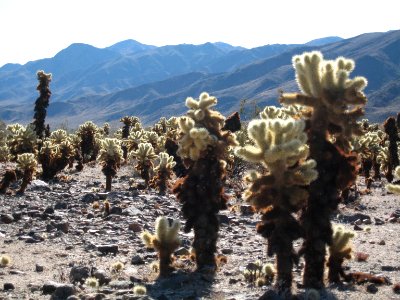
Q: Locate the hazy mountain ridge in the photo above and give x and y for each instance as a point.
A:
(167, 75)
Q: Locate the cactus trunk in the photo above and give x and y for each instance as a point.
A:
(165, 262)
(205, 240)
(108, 183)
(284, 259)
(25, 181)
(335, 269)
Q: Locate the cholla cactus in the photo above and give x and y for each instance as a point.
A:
(89, 145)
(134, 139)
(367, 146)
(259, 274)
(383, 158)
(339, 250)
(58, 136)
(26, 162)
(76, 143)
(22, 139)
(280, 145)
(41, 103)
(128, 123)
(54, 157)
(164, 172)
(110, 157)
(391, 131)
(165, 241)
(144, 156)
(152, 138)
(395, 188)
(106, 129)
(335, 102)
(204, 146)
(5, 154)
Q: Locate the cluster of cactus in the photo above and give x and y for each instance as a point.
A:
(259, 274)
(163, 172)
(110, 157)
(89, 145)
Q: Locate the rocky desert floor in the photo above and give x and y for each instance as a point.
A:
(57, 235)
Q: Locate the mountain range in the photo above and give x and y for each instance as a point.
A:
(130, 78)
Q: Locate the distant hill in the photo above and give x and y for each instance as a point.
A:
(154, 81)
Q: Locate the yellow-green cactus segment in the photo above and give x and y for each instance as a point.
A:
(144, 153)
(110, 150)
(4, 153)
(58, 136)
(166, 162)
(87, 127)
(395, 188)
(13, 128)
(166, 234)
(341, 243)
(151, 137)
(195, 139)
(199, 109)
(26, 161)
(367, 145)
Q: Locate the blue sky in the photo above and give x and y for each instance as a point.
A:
(37, 29)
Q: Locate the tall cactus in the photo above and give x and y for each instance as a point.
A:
(279, 145)
(335, 102)
(203, 145)
(41, 103)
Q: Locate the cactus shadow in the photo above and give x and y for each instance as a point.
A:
(182, 285)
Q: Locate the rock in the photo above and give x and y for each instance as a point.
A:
(382, 242)
(270, 295)
(49, 287)
(371, 288)
(39, 185)
(116, 210)
(182, 251)
(357, 228)
(227, 251)
(389, 268)
(90, 198)
(121, 284)
(49, 210)
(8, 286)
(105, 249)
(246, 209)
(39, 268)
(79, 274)
(63, 291)
(223, 219)
(17, 215)
(352, 218)
(135, 227)
(102, 276)
(63, 226)
(379, 221)
(6, 218)
(137, 260)
(61, 205)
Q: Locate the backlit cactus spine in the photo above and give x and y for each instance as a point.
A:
(204, 147)
(280, 146)
(335, 102)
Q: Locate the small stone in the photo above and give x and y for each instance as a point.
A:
(367, 221)
(63, 226)
(246, 209)
(137, 260)
(79, 274)
(49, 210)
(49, 287)
(63, 292)
(392, 220)
(223, 219)
(357, 228)
(39, 268)
(105, 249)
(227, 251)
(382, 242)
(61, 205)
(116, 210)
(358, 222)
(89, 198)
(8, 286)
(6, 218)
(102, 276)
(121, 284)
(379, 221)
(182, 251)
(135, 227)
(388, 268)
(371, 288)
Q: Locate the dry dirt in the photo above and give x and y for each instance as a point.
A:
(70, 236)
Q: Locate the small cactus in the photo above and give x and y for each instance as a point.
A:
(164, 172)
(5, 261)
(27, 164)
(144, 157)
(395, 188)
(110, 157)
(339, 250)
(165, 241)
